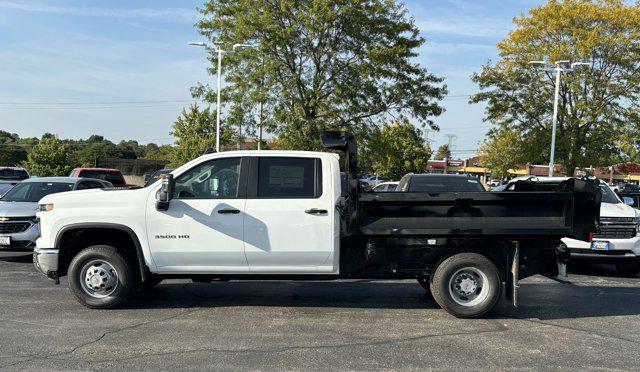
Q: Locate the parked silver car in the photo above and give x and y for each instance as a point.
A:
(18, 225)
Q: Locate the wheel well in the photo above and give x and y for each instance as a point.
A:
(75, 240)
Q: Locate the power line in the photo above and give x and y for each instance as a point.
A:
(86, 108)
(98, 103)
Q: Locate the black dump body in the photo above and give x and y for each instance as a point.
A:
(529, 211)
(572, 210)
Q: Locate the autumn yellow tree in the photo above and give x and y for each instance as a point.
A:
(597, 103)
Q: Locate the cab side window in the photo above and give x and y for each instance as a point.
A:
(280, 178)
(215, 179)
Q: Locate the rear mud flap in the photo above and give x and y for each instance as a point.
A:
(511, 282)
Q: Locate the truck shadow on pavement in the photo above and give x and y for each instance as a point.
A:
(538, 300)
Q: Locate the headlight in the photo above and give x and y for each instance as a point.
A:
(45, 207)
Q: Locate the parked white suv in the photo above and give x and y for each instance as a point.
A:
(617, 240)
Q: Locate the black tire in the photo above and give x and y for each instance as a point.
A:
(124, 280)
(424, 283)
(628, 269)
(480, 271)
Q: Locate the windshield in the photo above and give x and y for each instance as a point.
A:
(113, 177)
(608, 196)
(444, 184)
(4, 187)
(13, 174)
(32, 192)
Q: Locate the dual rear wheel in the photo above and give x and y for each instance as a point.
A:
(466, 285)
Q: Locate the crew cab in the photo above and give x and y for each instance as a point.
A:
(285, 215)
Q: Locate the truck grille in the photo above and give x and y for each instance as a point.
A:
(13, 227)
(616, 228)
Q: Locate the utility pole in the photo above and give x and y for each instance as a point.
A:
(558, 69)
(451, 137)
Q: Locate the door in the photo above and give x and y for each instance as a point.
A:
(289, 218)
(202, 230)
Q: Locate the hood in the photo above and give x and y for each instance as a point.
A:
(16, 209)
(616, 210)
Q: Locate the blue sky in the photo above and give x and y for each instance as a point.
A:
(76, 53)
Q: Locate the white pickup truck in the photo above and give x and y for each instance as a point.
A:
(616, 240)
(288, 215)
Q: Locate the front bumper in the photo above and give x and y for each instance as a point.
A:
(46, 261)
(619, 250)
(24, 241)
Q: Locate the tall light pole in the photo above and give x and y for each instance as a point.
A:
(219, 51)
(558, 69)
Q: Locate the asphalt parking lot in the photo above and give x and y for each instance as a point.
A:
(593, 323)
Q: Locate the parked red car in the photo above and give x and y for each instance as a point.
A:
(111, 175)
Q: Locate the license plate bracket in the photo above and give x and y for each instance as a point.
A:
(600, 246)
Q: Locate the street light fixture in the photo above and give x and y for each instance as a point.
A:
(558, 69)
(219, 51)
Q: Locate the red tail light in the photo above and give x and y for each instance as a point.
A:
(590, 237)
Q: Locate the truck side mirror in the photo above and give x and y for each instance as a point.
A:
(628, 201)
(165, 194)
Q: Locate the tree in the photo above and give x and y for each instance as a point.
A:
(50, 157)
(501, 152)
(395, 150)
(12, 150)
(195, 131)
(323, 64)
(443, 152)
(161, 153)
(87, 152)
(597, 103)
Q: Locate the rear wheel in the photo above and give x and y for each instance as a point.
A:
(100, 277)
(628, 269)
(466, 285)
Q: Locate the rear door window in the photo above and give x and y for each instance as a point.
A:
(285, 177)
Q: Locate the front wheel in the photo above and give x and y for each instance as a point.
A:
(466, 285)
(100, 277)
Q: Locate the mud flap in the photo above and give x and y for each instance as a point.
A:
(511, 282)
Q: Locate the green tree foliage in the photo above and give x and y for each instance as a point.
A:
(50, 157)
(161, 153)
(501, 152)
(395, 150)
(597, 104)
(443, 152)
(323, 64)
(195, 132)
(87, 152)
(12, 149)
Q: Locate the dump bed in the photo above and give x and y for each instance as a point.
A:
(572, 210)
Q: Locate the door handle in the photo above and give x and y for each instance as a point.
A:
(315, 211)
(228, 211)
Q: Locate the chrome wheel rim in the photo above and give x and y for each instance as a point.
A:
(469, 286)
(98, 279)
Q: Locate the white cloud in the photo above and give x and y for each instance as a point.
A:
(171, 14)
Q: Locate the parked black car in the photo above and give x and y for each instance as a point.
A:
(436, 183)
